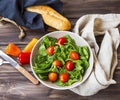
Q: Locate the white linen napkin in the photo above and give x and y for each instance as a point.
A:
(105, 58)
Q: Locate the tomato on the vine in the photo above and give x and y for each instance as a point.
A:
(74, 55)
(50, 50)
(61, 40)
(57, 63)
(53, 76)
(69, 65)
(64, 77)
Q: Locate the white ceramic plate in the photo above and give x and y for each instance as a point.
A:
(80, 42)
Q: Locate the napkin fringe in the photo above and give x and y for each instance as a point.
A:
(105, 61)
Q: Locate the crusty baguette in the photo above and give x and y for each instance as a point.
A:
(51, 17)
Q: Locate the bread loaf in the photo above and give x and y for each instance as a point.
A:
(51, 17)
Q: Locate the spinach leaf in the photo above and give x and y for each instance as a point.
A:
(43, 62)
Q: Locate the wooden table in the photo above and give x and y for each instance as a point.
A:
(14, 86)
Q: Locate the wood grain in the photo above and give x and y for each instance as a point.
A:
(27, 74)
(14, 86)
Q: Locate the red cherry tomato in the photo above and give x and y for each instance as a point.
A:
(24, 58)
(64, 77)
(57, 63)
(69, 65)
(53, 76)
(74, 55)
(50, 50)
(61, 40)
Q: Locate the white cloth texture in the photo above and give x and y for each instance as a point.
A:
(105, 56)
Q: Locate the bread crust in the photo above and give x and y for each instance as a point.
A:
(51, 17)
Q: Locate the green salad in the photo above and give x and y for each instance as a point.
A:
(61, 61)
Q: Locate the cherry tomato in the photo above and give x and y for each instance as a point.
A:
(74, 55)
(24, 58)
(50, 50)
(64, 77)
(53, 76)
(69, 65)
(57, 63)
(61, 40)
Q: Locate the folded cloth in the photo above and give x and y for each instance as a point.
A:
(105, 58)
(15, 10)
